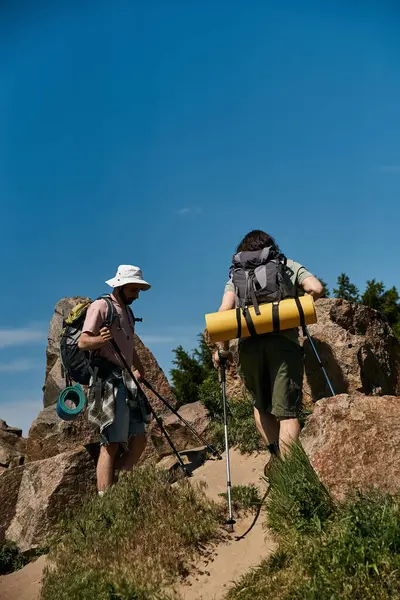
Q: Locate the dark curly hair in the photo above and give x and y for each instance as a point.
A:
(256, 240)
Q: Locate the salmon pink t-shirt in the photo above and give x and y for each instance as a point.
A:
(122, 329)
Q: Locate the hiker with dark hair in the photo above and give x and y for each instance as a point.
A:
(114, 402)
(271, 364)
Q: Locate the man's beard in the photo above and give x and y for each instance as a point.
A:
(127, 300)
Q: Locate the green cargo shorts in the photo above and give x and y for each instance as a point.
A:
(272, 368)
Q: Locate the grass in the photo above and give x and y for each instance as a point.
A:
(245, 498)
(349, 551)
(133, 543)
(242, 431)
(298, 502)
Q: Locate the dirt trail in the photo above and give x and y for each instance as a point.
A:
(232, 558)
(229, 559)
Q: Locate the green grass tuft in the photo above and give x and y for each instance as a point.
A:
(245, 498)
(350, 551)
(298, 501)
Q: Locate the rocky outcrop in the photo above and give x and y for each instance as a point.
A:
(353, 442)
(12, 446)
(46, 488)
(59, 457)
(357, 347)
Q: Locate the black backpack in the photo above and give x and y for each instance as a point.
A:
(76, 362)
(261, 276)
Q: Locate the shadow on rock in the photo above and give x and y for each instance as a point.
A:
(315, 377)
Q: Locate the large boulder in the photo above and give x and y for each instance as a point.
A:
(12, 446)
(46, 488)
(356, 346)
(10, 481)
(353, 442)
(49, 435)
(55, 380)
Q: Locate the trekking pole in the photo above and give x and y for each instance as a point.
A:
(156, 417)
(230, 521)
(213, 450)
(307, 333)
(164, 431)
(319, 360)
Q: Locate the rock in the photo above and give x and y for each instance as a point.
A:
(10, 481)
(12, 446)
(353, 442)
(156, 377)
(356, 345)
(49, 435)
(15, 430)
(55, 380)
(47, 487)
(358, 350)
(195, 414)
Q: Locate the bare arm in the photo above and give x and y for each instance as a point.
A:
(311, 285)
(228, 303)
(90, 341)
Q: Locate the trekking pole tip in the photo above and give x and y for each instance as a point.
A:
(217, 453)
(230, 525)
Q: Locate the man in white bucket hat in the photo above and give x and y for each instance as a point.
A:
(113, 399)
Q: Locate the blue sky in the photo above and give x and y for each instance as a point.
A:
(159, 133)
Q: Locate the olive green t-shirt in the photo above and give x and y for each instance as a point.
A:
(298, 274)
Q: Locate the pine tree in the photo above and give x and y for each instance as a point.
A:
(391, 305)
(373, 295)
(186, 377)
(387, 302)
(326, 292)
(346, 289)
(203, 356)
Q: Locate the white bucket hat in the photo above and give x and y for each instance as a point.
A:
(128, 274)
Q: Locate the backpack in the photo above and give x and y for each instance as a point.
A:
(76, 363)
(261, 276)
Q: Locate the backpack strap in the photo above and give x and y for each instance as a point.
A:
(111, 312)
(252, 284)
(239, 322)
(275, 317)
(249, 322)
(301, 314)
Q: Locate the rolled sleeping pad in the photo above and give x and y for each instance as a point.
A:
(72, 394)
(224, 326)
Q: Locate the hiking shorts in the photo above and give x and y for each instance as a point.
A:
(272, 368)
(127, 423)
